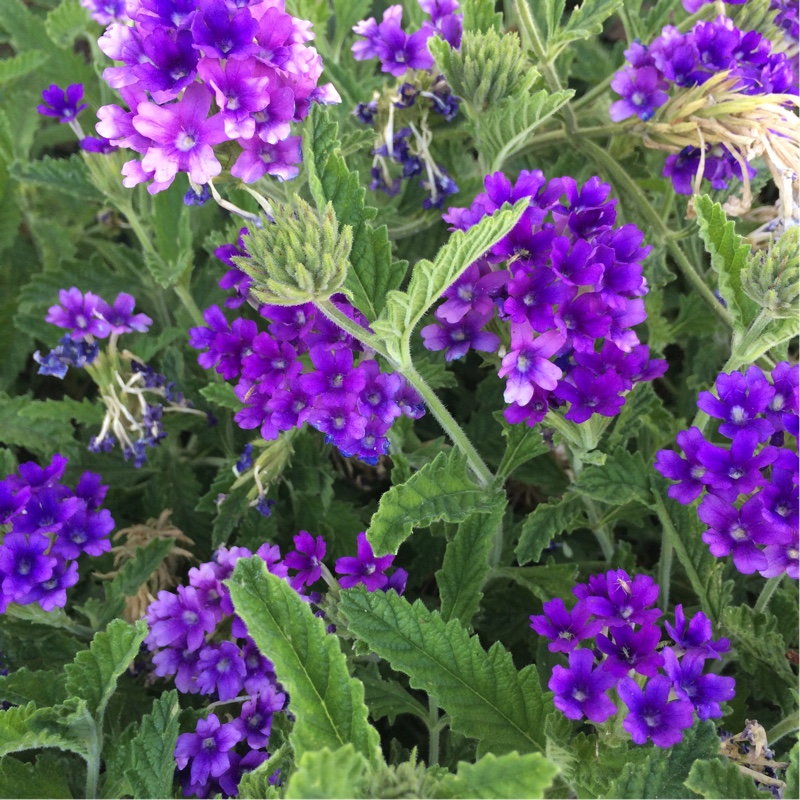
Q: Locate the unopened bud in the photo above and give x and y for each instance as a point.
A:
(771, 278)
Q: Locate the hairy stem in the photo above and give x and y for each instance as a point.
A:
(766, 593)
(434, 732)
(786, 726)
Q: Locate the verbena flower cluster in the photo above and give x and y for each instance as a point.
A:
(678, 60)
(402, 115)
(303, 368)
(250, 59)
(44, 527)
(570, 287)
(130, 390)
(751, 487)
(615, 618)
(786, 18)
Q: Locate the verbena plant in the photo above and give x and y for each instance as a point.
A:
(399, 401)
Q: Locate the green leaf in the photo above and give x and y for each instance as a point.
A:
(722, 779)
(65, 22)
(137, 570)
(429, 279)
(466, 564)
(44, 778)
(479, 15)
(13, 68)
(256, 785)
(153, 748)
(93, 674)
(507, 128)
(482, 692)
(45, 438)
(664, 771)
(326, 773)
(43, 687)
(793, 772)
(584, 22)
(545, 582)
(328, 703)
(63, 411)
(522, 445)
(388, 698)
(67, 175)
(440, 490)
(372, 272)
(622, 479)
(222, 394)
(509, 776)
(172, 231)
(729, 254)
(545, 522)
(68, 726)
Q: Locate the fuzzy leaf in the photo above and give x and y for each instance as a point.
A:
(388, 698)
(522, 445)
(138, 569)
(545, 522)
(545, 581)
(585, 21)
(729, 254)
(440, 490)
(722, 779)
(65, 22)
(23, 779)
(152, 750)
(12, 69)
(479, 15)
(43, 687)
(481, 690)
(622, 479)
(222, 394)
(93, 674)
(328, 703)
(466, 565)
(68, 175)
(327, 774)
(256, 785)
(45, 438)
(68, 726)
(63, 411)
(509, 776)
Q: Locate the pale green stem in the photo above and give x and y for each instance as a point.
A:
(93, 763)
(769, 589)
(434, 732)
(786, 726)
(189, 304)
(600, 533)
(664, 570)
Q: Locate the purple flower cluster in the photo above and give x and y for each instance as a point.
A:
(247, 57)
(751, 503)
(104, 12)
(197, 639)
(303, 368)
(682, 60)
(570, 287)
(398, 51)
(44, 527)
(615, 612)
(786, 18)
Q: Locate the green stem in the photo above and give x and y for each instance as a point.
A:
(93, 764)
(595, 518)
(766, 593)
(664, 570)
(434, 732)
(353, 328)
(786, 726)
(189, 304)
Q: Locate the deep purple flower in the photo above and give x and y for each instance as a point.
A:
(105, 12)
(617, 600)
(642, 92)
(169, 66)
(306, 558)
(24, 563)
(689, 472)
(397, 581)
(208, 748)
(335, 375)
(364, 50)
(12, 501)
(97, 144)
(565, 629)
(651, 714)
(629, 649)
(47, 511)
(704, 692)
(180, 620)
(120, 316)
(457, 339)
(52, 593)
(258, 158)
(591, 394)
(742, 399)
(221, 669)
(695, 635)
(65, 104)
(254, 722)
(180, 662)
(473, 291)
(782, 558)
(399, 52)
(532, 296)
(260, 674)
(220, 34)
(581, 690)
(80, 313)
(783, 407)
(85, 532)
(364, 568)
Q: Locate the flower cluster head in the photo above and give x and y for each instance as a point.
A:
(44, 527)
(674, 62)
(569, 286)
(610, 636)
(786, 18)
(197, 639)
(199, 74)
(303, 368)
(749, 488)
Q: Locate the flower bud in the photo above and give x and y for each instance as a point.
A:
(771, 277)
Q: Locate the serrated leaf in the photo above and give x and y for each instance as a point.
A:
(545, 522)
(508, 776)
(23, 779)
(222, 394)
(63, 411)
(545, 582)
(585, 21)
(67, 175)
(466, 564)
(441, 490)
(65, 727)
(172, 231)
(328, 703)
(479, 15)
(134, 572)
(43, 687)
(65, 22)
(329, 774)
(522, 445)
(152, 750)
(388, 698)
(372, 272)
(622, 479)
(638, 405)
(507, 128)
(722, 779)
(481, 690)
(93, 674)
(729, 254)
(13, 68)
(45, 438)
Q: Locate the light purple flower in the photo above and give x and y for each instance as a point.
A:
(527, 365)
(120, 316)
(80, 313)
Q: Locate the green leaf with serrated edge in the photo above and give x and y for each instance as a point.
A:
(638, 405)
(479, 15)
(63, 411)
(328, 703)
(68, 175)
(45, 438)
(481, 690)
(729, 254)
(793, 773)
(43, 687)
(153, 748)
(329, 774)
(45, 777)
(545, 582)
(441, 490)
(664, 771)
(756, 640)
(12, 69)
(508, 776)
(347, 13)
(65, 22)
(387, 698)
(93, 674)
(68, 726)
(133, 573)
(509, 127)
(256, 785)
(545, 522)
(585, 21)
(622, 479)
(222, 394)
(372, 272)
(429, 279)
(466, 564)
(522, 445)
(722, 779)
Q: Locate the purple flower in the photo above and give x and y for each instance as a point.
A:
(565, 628)
(591, 394)
(458, 338)
(105, 12)
(85, 532)
(617, 600)
(258, 158)
(689, 472)
(704, 692)
(306, 558)
(695, 635)
(473, 291)
(12, 501)
(208, 748)
(368, 28)
(65, 104)
(218, 33)
(52, 593)
(642, 92)
(180, 620)
(651, 715)
(82, 314)
(24, 563)
(120, 316)
(629, 649)
(399, 52)
(527, 366)
(532, 296)
(364, 568)
(397, 581)
(95, 144)
(581, 690)
(169, 66)
(783, 407)
(335, 376)
(221, 669)
(255, 719)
